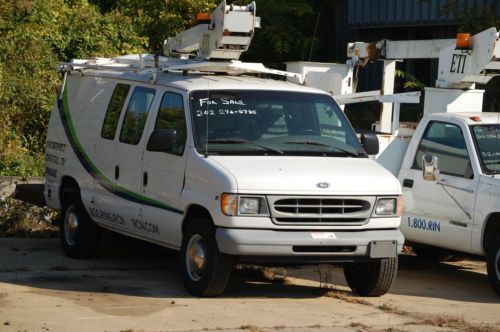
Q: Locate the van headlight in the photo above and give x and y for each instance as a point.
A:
(388, 206)
(243, 205)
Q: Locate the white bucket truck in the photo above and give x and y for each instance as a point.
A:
(449, 164)
(193, 154)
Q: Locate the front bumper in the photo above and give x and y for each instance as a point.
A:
(300, 245)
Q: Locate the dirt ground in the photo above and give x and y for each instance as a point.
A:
(132, 286)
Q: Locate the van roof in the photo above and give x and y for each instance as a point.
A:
(200, 81)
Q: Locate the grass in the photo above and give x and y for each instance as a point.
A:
(251, 328)
(454, 323)
(271, 274)
(345, 296)
(388, 307)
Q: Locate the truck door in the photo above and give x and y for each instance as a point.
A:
(128, 158)
(163, 172)
(440, 212)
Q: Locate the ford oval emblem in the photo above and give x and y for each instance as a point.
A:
(323, 185)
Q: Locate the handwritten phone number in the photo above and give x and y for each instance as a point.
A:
(426, 225)
(200, 113)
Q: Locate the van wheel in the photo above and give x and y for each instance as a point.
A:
(205, 270)
(431, 254)
(371, 278)
(78, 233)
(493, 264)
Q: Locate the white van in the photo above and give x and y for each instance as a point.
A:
(223, 168)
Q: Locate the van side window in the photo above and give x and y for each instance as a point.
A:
(446, 141)
(171, 116)
(136, 115)
(115, 106)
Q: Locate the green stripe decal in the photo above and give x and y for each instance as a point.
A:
(91, 168)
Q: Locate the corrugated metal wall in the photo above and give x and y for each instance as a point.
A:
(386, 13)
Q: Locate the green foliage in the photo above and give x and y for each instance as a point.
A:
(409, 81)
(474, 18)
(158, 19)
(287, 32)
(37, 34)
(24, 164)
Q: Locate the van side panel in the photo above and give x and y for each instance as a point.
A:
(74, 124)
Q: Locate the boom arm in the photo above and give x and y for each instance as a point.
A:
(226, 36)
(458, 68)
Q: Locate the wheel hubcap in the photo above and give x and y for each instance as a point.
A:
(70, 225)
(196, 254)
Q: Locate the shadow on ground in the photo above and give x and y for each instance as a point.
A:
(122, 266)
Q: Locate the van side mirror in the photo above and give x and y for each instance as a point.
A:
(430, 169)
(370, 143)
(161, 140)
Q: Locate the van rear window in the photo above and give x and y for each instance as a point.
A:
(115, 106)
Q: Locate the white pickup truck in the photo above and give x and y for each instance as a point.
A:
(451, 187)
(449, 164)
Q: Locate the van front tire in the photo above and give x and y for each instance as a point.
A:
(371, 278)
(205, 270)
(493, 264)
(78, 233)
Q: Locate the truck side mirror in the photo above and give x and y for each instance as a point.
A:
(430, 169)
(370, 143)
(161, 140)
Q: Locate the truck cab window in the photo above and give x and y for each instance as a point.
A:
(136, 115)
(171, 116)
(115, 106)
(446, 141)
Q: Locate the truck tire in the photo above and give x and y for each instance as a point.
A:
(205, 270)
(371, 278)
(78, 233)
(493, 264)
(431, 254)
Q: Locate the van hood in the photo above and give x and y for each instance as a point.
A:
(309, 175)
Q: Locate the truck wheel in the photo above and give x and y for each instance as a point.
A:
(78, 233)
(371, 278)
(431, 254)
(205, 270)
(493, 264)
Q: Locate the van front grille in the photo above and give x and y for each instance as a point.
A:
(321, 210)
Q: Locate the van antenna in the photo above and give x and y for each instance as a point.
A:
(206, 114)
(314, 37)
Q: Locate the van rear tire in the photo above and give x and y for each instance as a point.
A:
(371, 278)
(78, 233)
(493, 264)
(205, 270)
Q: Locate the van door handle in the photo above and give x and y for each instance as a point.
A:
(117, 172)
(145, 178)
(408, 183)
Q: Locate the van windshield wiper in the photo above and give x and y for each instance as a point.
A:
(350, 153)
(241, 141)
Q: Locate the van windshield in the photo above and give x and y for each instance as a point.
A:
(488, 145)
(256, 122)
